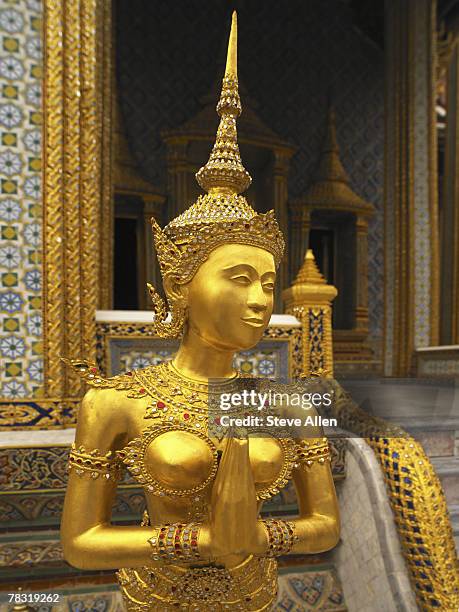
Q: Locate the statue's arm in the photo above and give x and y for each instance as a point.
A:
(89, 540)
(318, 525)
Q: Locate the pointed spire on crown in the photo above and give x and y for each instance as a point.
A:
(224, 173)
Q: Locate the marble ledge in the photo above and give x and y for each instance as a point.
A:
(22, 439)
(429, 349)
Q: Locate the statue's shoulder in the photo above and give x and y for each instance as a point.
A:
(130, 382)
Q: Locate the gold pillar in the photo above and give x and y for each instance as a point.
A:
(72, 186)
(411, 236)
(309, 299)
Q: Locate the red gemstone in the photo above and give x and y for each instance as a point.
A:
(160, 405)
(94, 370)
(142, 390)
(217, 420)
(162, 536)
(128, 373)
(186, 416)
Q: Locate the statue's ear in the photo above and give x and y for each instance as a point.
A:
(175, 291)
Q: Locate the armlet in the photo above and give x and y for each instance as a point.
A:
(85, 462)
(312, 450)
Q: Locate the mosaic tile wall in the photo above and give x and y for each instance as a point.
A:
(291, 55)
(20, 198)
(254, 363)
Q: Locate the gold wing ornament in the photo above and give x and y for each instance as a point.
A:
(91, 375)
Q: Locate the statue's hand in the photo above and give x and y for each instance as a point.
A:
(233, 512)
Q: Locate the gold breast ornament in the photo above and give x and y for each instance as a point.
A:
(180, 404)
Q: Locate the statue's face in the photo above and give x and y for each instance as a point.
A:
(230, 298)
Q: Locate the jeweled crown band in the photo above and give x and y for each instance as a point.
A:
(213, 228)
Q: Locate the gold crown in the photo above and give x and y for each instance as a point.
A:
(222, 215)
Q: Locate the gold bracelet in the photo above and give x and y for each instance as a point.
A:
(281, 536)
(312, 450)
(83, 461)
(176, 542)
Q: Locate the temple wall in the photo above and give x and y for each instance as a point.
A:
(20, 198)
(313, 50)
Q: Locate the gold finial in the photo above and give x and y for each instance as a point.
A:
(224, 173)
(309, 272)
(231, 58)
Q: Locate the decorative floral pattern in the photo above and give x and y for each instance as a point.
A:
(20, 199)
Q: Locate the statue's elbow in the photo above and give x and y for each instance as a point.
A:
(77, 553)
(329, 532)
(334, 532)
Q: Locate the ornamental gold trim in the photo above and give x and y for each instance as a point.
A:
(72, 184)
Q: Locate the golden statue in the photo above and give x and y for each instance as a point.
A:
(202, 544)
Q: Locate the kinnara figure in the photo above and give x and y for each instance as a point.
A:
(202, 544)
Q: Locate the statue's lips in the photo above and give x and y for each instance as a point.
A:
(254, 321)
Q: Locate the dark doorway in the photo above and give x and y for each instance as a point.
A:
(126, 281)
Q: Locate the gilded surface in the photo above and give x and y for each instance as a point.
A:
(154, 420)
(309, 300)
(106, 100)
(53, 248)
(43, 413)
(72, 184)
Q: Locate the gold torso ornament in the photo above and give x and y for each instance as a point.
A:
(249, 586)
(175, 461)
(174, 455)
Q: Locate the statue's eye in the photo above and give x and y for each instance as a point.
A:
(241, 279)
(268, 286)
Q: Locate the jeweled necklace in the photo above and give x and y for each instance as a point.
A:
(179, 399)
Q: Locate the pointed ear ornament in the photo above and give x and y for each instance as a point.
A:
(163, 328)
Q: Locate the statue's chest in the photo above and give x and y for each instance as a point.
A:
(174, 460)
(171, 453)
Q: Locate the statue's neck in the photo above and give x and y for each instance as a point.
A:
(200, 360)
